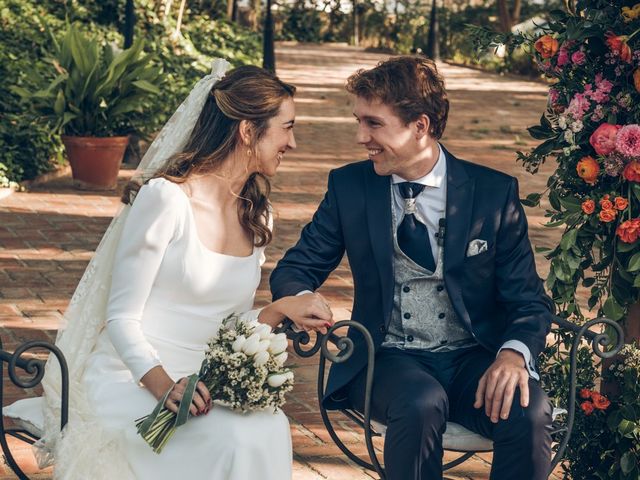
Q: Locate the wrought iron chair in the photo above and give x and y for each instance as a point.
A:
(471, 443)
(34, 368)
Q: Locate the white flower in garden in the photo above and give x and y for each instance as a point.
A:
(238, 343)
(251, 345)
(281, 358)
(577, 126)
(261, 358)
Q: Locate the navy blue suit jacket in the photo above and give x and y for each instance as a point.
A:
(497, 294)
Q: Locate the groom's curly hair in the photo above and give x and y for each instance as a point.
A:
(245, 93)
(410, 85)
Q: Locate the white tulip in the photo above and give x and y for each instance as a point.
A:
(281, 358)
(260, 358)
(277, 380)
(263, 346)
(238, 343)
(251, 345)
(289, 375)
(278, 345)
(263, 330)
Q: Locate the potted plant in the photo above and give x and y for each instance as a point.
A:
(94, 100)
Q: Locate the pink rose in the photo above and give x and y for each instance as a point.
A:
(578, 57)
(628, 141)
(603, 140)
(563, 58)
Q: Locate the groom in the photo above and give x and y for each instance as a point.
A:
(444, 279)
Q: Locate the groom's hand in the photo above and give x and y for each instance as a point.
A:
(497, 386)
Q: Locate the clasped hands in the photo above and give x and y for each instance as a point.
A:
(497, 386)
(309, 312)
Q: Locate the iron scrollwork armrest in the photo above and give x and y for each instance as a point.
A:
(603, 345)
(35, 368)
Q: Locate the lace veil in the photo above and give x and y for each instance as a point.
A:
(85, 319)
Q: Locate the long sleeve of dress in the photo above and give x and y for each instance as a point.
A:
(150, 226)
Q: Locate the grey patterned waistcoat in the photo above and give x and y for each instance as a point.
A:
(422, 317)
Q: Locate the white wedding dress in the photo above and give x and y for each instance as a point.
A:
(169, 294)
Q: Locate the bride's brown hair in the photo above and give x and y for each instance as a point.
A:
(245, 93)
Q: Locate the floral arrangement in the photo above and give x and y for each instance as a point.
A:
(590, 54)
(243, 369)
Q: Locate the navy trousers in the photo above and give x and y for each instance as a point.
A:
(415, 393)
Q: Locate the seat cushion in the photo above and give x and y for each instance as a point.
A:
(27, 415)
(460, 439)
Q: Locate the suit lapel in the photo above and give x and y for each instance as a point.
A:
(460, 189)
(378, 196)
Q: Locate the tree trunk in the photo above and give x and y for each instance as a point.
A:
(268, 48)
(356, 29)
(504, 16)
(230, 5)
(167, 9)
(176, 33)
(433, 45)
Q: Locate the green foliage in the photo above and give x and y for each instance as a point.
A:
(27, 147)
(301, 23)
(605, 443)
(98, 90)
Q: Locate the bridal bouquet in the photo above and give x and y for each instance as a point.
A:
(243, 368)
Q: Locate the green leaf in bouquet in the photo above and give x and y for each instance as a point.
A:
(532, 200)
(569, 239)
(571, 204)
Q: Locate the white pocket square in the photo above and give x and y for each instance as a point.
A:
(476, 247)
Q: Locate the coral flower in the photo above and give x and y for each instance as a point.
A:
(608, 215)
(547, 46)
(636, 79)
(588, 169)
(618, 44)
(587, 407)
(588, 206)
(603, 139)
(629, 231)
(600, 401)
(605, 203)
(632, 171)
(621, 203)
(585, 393)
(628, 140)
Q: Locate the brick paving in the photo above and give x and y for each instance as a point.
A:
(47, 235)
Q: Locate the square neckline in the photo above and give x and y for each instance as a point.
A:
(197, 234)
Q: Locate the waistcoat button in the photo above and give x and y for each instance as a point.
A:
(407, 315)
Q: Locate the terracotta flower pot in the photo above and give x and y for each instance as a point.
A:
(95, 161)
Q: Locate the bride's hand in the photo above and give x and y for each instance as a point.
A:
(309, 311)
(200, 404)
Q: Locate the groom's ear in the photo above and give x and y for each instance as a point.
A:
(246, 132)
(422, 126)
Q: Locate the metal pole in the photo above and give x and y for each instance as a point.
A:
(356, 28)
(433, 46)
(129, 23)
(268, 53)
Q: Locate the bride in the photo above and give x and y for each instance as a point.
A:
(183, 254)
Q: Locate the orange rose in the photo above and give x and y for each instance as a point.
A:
(585, 393)
(608, 215)
(621, 203)
(632, 171)
(600, 401)
(547, 46)
(629, 231)
(618, 44)
(636, 79)
(587, 408)
(588, 169)
(606, 204)
(588, 206)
